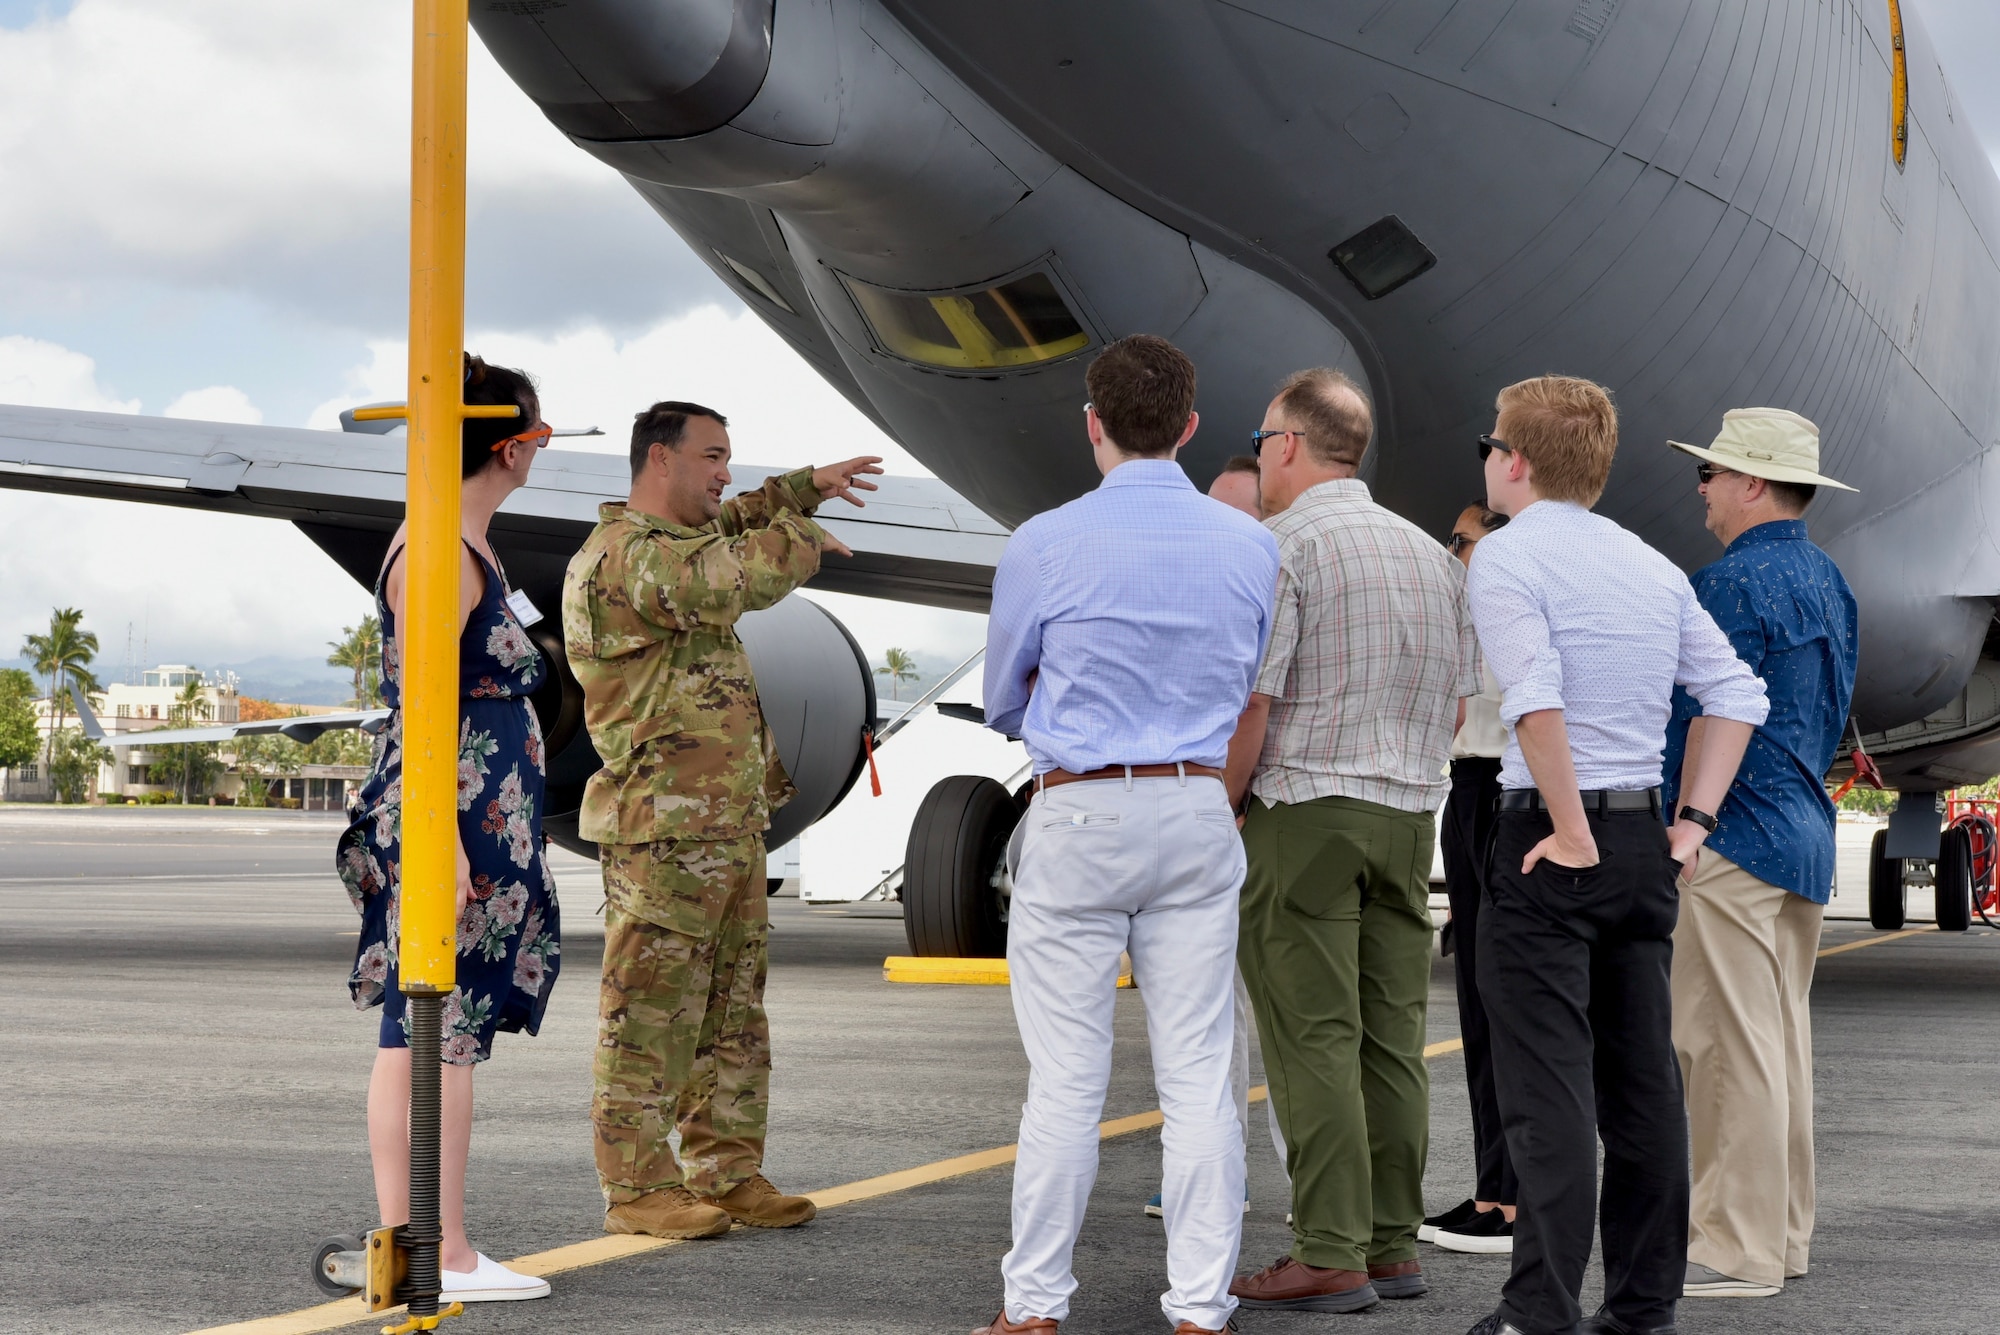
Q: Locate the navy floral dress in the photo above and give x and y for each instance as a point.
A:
(508, 939)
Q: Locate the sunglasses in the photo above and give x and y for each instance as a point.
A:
(1488, 444)
(537, 436)
(1709, 472)
(1257, 439)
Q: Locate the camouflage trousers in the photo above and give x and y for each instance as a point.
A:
(683, 1042)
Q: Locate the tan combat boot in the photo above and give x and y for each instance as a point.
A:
(672, 1212)
(761, 1205)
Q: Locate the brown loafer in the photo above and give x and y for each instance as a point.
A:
(672, 1212)
(761, 1205)
(1001, 1325)
(1399, 1279)
(1292, 1284)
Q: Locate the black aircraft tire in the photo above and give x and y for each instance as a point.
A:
(1953, 879)
(342, 1243)
(1885, 886)
(950, 908)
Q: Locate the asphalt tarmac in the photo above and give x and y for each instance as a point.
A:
(181, 1119)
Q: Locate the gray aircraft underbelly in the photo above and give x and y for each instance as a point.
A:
(1703, 204)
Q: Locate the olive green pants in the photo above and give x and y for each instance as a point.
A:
(1335, 949)
(683, 1041)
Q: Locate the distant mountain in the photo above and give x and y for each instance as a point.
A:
(304, 680)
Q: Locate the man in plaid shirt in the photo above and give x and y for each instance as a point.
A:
(1342, 755)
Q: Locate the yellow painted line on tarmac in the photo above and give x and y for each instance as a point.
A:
(1874, 941)
(597, 1251)
(973, 972)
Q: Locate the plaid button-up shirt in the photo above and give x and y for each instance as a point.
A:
(1371, 648)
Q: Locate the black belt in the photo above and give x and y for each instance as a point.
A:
(1601, 800)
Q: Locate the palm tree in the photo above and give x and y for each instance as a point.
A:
(361, 654)
(63, 656)
(898, 666)
(190, 707)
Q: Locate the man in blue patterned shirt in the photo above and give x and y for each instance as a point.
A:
(1750, 917)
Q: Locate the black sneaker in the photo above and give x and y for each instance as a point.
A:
(1489, 1234)
(1458, 1214)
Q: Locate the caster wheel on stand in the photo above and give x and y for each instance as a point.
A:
(340, 1266)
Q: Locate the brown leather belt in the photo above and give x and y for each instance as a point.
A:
(1057, 777)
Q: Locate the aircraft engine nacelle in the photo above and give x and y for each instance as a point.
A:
(817, 693)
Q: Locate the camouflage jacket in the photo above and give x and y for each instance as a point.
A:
(649, 619)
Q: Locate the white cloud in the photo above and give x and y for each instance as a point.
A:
(780, 411)
(47, 375)
(194, 587)
(183, 131)
(944, 637)
(217, 403)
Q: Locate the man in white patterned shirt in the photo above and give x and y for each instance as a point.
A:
(1348, 731)
(1588, 630)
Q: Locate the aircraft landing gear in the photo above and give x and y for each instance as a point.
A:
(1952, 880)
(955, 882)
(1886, 907)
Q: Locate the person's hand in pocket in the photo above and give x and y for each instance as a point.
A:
(1684, 839)
(1564, 852)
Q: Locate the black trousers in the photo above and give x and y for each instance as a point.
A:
(1468, 824)
(1574, 966)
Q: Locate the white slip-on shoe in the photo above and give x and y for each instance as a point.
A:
(1489, 1234)
(490, 1282)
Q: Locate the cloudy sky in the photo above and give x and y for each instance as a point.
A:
(204, 216)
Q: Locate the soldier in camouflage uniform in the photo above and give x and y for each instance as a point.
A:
(679, 811)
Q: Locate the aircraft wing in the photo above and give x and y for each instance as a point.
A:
(916, 540)
(301, 728)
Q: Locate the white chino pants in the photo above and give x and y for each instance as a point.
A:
(1153, 867)
(1239, 1082)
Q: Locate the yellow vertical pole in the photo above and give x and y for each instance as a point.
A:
(427, 949)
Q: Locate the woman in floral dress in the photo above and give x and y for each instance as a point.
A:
(508, 946)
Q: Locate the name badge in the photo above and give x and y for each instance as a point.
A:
(522, 608)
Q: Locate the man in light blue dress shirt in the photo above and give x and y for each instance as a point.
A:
(1125, 631)
(1588, 631)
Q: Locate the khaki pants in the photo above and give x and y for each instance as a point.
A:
(683, 1042)
(1743, 967)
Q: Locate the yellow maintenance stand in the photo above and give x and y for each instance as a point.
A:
(400, 1264)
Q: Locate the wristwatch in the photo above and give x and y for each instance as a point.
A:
(1701, 818)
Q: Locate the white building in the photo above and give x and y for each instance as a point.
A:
(124, 710)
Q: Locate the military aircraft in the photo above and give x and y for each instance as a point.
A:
(946, 208)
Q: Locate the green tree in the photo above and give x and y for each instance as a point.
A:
(63, 656)
(899, 666)
(73, 763)
(341, 746)
(18, 742)
(262, 758)
(360, 652)
(1868, 801)
(191, 765)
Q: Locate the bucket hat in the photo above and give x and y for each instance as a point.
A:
(1771, 443)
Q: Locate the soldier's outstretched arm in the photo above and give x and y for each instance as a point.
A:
(802, 489)
(678, 584)
(787, 493)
